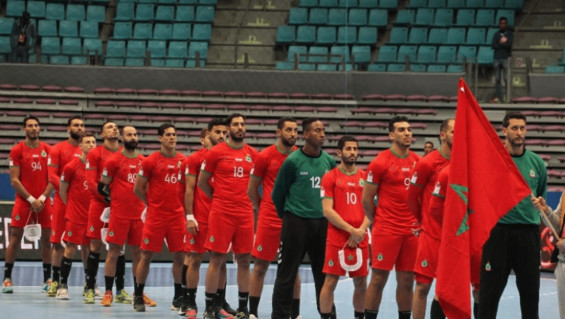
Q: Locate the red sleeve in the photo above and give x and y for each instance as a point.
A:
(92, 173)
(437, 200)
(327, 188)
(68, 172)
(375, 171)
(418, 182)
(260, 165)
(15, 156)
(146, 168)
(110, 167)
(210, 161)
(53, 167)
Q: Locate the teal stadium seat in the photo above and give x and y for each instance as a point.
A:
(54, 11)
(456, 36)
(204, 14)
(200, 47)
(456, 4)
(367, 35)
(376, 67)
(208, 2)
(485, 55)
(144, 12)
(308, 3)
(395, 67)
(306, 67)
(114, 62)
(417, 67)
(494, 4)
(325, 36)
(116, 49)
(455, 68)
(443, 17)
(485, 18)
(157, 48)
(293, 50)
(185, 14)
(284, 65)
(436, 4)
(387, 53)
(75, 12)
(182, 31)
(89, 29)
(50, 45)
(348, 3)
(92, 46)
(157, 63)
(378, 18)
(162, 31)
(346, 35)
(427, 54)
(357, 17)
(369, 4)
(555, 69)
(59, 59)
(425, 16)
(7, 23)
(404, 17)
(417, 3)
(79, 60)
(326, 67)
(337, 17)
(45, 28)
(165, 13)
(469, 53)
(446, 54)
(15, 8)
(436, 68)
(136, 49)
(490, 34)
(124, 11)
(178, 49)
(71, 46)
(68, 28)
(122, 30)
(5, 47)
(398, 35)
(342, 50)
(388, 4)
(508, 14)
(327, 3)
(306, 34)
(143, 31)
(95, 13)
(418, 35)
(135, 62)
(517, 5)
(409, 51)
(201, 32)
(361, 53)
(318, 54)
(298, 16)
(465, 17)
(36, 9)
(172, 2)
(286, 34)
(318, 16)
(188, 2)
(437, 36)
(476, 36)
(476, 4)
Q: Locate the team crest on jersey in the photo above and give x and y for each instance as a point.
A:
(17, 217)
(424, 263)
(361, 182)
(70, 233)
(43, 154)
(111, 234)
(350, 257)
(211, 239)
(331, 263)
(91, 228)
(192, 241)
(259, 248)
(248, 158)
(532, 173)
(488, 267)
(370, 177)
(146, 241)
(380, 257)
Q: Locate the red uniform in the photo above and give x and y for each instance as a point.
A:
(346, 191)
(165, 213)
(231, 214)
(125, 206)
(201, 204)
(59, 156)
(269, 224)
(32, 162)
(393, 241)
(78, 200)
(94, 164)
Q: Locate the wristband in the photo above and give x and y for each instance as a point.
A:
(190, 217)
(42, 198)
(31, 199)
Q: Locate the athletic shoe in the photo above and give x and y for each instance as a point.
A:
(253, 317)
(89, 297)
(139, 304)
(7, 286)
(63, 292)
(46, 286)
(148, 301)
(53, 289)
(242, 313)
(191, 313)
(107, 300)
(298, 317)
(209, 313)
(223, 314)
(177, 303)
(97, 293)
(226, 306)
(123, 297)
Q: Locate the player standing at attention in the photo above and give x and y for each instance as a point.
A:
(157, 185)
(419, 194)
(59, 156)
(267, 237)
(394, 242)
(94, 165)
(28, 176)
(347, 247)
(198, 204)
(74, 193)
(296, 196)
(118, 178)
(231, 213)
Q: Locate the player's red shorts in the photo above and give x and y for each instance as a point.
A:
(267, 242)
(155, 231)
(22, 215)
(223, 230)
(195, 243)
(94, 223)
(120, 230)
(390, 250)
(332, 264)
(75, 233)
(58, 221)
(426, 259)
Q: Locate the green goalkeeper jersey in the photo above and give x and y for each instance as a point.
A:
(297, 187)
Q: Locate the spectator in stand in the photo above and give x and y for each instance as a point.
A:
(23, 38)
(502, 45)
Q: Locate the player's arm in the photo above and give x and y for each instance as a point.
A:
(285, 178)
(63, 191)
(368, 200)
(191, 224)
(36, 203)
(253, 191)
(140, 188)
(104, 187)
(357, 234)
(203, 183)
(92, 178)
(414, 199)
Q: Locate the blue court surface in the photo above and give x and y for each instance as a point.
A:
(27, 301)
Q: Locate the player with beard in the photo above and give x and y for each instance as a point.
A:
(94, 165)
(231, 213)
(394, 242)
(157, 185)
(118, 178)
(347, 247)
(28, 176)
(267, 237)
(60, 155)
(197, 204)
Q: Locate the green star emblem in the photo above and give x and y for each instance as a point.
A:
(331, 263)
(259, 248)
(350, 257)
(91, 228)
(17, 217)
(424, 263)
(211, 239)
(192, 241)
(488, 267)
(111, 234)
(70, 233)
(380, 257)
(146, 241)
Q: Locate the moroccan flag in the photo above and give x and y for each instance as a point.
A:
(474, 200)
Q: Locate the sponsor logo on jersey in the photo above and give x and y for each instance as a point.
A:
(171, 166)
(237, 159)
(406, 169)
(304, 173)
(34, 155)
(350, 184)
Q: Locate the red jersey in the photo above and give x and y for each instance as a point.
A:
(392, 175)
(266, 168)
(94, 164)
(32, 162)
(423, 183)
(78, 197)
(346, 190)
(163, 174)
(230, 169)
(202, 203)
(123, 172)
(59, 156)
(437, 201)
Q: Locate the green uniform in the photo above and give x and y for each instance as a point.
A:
(297, 187)
(533, 169)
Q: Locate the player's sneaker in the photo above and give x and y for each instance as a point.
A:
(53, 289)
(123, 297)
(242, 313)
(251, 316)
(7, 286)
(139, 304)
(107, 299)
(89, 296)
(298, 317)
(223, 314)
(148, 301)
(226, 306)
(177, 303)
(191, 313)
(97, 293)
(209, 313)
(63, 292)
(46, 286)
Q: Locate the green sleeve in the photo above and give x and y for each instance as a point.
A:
(284, 180)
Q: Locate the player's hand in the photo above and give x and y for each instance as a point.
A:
(191, 224)
(352, 242)
(561, 245)
(503, 39)
(539, 203)
(416, 229)
(37, 206)
(357, 234)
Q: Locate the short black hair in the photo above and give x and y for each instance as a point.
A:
(282, 120)
(445, 124)
(104, 124)
(512, 115)
(307, 123)
(396, 119)
(86, 134)
(502, 18)
(215, 122)
(122, 130)
(231, 117)
(30, 117)
(163, 127)
(74, 117)
(428, 142)
(346, 138)
(203, 132)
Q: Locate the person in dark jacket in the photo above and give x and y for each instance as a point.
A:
(502, 45)
(23, 38)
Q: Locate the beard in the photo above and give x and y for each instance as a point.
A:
(236, 138)
(75, 135)
(130, 146)
(288, 142)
